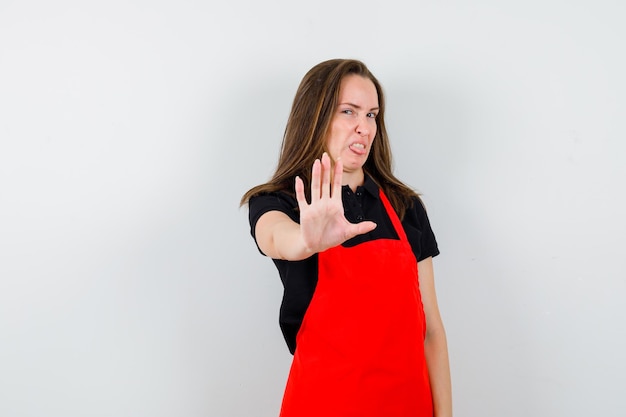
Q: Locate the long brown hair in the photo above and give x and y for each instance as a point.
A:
(305, 135)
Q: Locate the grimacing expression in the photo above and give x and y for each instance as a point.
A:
(353, 125)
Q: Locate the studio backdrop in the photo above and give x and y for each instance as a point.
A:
(129, 130)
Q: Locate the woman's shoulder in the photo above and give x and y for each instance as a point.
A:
(281, 198)
(416, 211)
(419, 231)
(272, 201)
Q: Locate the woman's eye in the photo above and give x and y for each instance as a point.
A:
(348, 112)
(371, 115)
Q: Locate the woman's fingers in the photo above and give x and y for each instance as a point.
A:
(300, 194)
(324, 182)
(337, 176)
(325, 175)
(315, 181)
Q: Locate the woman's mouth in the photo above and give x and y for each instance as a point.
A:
(358, 148)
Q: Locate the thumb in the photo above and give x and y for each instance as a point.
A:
(361, 228)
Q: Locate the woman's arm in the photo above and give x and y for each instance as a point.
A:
(279, 237)
(435, 344)
(322, 222)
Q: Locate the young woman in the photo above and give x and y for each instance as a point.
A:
(353, 247)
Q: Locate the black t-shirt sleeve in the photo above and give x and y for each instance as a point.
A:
(261, 204)
(418, 231)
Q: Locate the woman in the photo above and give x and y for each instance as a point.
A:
(348, 239)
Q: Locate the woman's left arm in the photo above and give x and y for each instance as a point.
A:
(435, 343)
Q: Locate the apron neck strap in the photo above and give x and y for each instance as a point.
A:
(397, 224)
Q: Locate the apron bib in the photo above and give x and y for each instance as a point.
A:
(360, 349)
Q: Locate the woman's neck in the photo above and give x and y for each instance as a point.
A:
(353, 179)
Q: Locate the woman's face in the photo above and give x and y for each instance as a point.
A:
(353, 126)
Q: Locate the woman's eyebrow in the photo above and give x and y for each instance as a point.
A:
(356, 106)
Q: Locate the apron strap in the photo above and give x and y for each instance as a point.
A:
(397, 224)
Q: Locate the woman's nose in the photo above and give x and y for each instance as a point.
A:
(362, 127)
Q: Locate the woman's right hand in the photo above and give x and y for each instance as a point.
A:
(322, 222)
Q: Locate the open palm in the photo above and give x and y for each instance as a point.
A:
(322, 222)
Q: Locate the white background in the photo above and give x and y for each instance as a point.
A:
(129, 284)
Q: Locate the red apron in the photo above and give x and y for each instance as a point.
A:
(360, 349)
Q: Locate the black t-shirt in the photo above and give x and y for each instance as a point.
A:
(299, 278)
